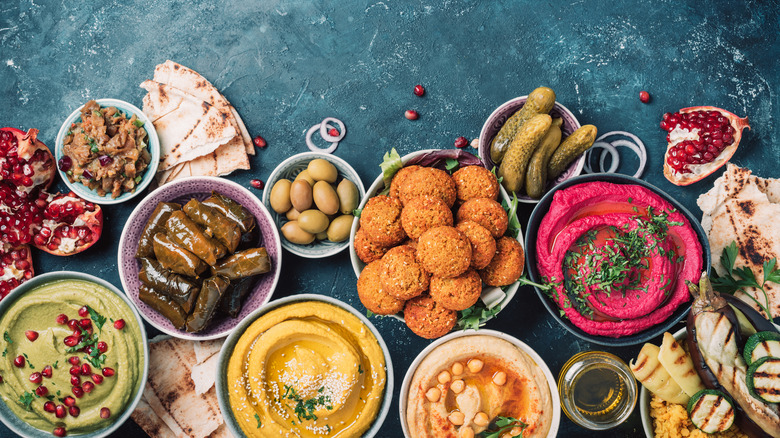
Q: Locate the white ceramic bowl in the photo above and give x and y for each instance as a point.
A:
(230, 343)
(376, 188)
(22, 428)
(154, 149)
(554, 397)
(289, 169)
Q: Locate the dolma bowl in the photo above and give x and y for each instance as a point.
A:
(181, 191)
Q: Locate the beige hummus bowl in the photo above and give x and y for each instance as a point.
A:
(403, 401)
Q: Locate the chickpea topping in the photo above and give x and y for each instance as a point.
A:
(516, 431)
(444, 377)
(433, 394)
(466, 432)
(457, 386)
(481, 419)
(457, 369)
(499, 378)
(506, 435)
(456, 418)
(475, 365)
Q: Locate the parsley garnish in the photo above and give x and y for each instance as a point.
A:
(369, 314)
(304, 409)
(514, 227)
(502, 425)
(259, 423)
(744, 277)
(356, 212)
(26, 400)
(97, 318)
(475, 315)
(450, 164)
(138, 123)
(55, 364)
(7, 337)
(28, 361)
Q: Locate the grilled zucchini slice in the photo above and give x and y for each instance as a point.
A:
(763, 379)
(761, 344)
(711, 411)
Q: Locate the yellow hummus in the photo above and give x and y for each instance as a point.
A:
(307, 369)
(464, 384)
(37, 310)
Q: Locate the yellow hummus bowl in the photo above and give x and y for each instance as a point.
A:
(306, 366)
(94, 377)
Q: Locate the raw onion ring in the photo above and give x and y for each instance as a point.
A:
(313, 147)
(325, 126)
(608, 148)
(611, 147)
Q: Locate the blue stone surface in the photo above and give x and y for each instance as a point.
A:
(285, 65)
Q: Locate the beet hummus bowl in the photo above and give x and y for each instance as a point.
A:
(611, 255)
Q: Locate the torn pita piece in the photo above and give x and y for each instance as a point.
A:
(745, 209)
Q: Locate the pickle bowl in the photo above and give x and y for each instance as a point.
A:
(496, 121)
(180, 191)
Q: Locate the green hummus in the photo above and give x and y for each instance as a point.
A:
(37, 310)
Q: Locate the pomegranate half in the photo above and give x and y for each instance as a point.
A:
(15, 267)
(25, 162)
(700, 140)
(70, 225)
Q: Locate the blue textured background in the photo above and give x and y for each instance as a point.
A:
(287, 64)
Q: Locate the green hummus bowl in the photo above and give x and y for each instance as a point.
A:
(84, 371)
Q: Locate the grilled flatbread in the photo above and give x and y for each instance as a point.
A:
(745, 208)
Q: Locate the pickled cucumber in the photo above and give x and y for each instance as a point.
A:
(578, 142)
(515, 163)
(536, 178)
(540, 101)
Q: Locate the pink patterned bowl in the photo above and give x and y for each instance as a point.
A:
(181, 191)
(497, 119)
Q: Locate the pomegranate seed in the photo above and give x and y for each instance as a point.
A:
(65, 163)
(105, 160)
(47, 371)
(333, 132)
(71, 341)
(32, 335)
(259, 142)
(412, 115)
(257, 183)
(690, 149)
(61, 318)
(60, 411)
(85, 323)
(69, 401)
(419, 90)
(19, 361)
(73, 324)
(644, 96)
(97, 378)
(41, 391)
(74, 411)
(86, 370)
(461, 142)
(664, 125)
(88, 387)
(36, 377)
(77, 391)
(709, 156)
(75, 370)
(102, 347)
(105, 413)
(667, 115)
(59, 431)
(75, 380)
(49, 406)
(74, 360)
(83, 311)
(119, 324)
(108, 372)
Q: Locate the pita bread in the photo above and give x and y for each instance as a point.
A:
(190, 81)
(204, 374)
(188, 128)
(205, 349)
(744, 208)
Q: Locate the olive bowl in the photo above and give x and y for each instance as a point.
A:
(19, 426)
(496, 121)
(231, 341)
(289, 169)
(532, 231)
(181, 190)
(154, 149)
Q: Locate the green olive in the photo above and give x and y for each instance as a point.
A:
(313, 221)
(292, 214)
(293, 232)
(325, 198)
(300, 195)
(322, 170)
(339, 228)
(322, 236)
(280, 196)
(349, 197)
(305, 176)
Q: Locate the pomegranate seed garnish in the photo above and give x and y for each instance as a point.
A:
(74, 360)
(36, 377)
(108, 372)
(75, 370)
(86, 370)
(644, 96)
(77, 391)
(412, 115)
(88, 386)
(75, 380)
(32, 335)
(47, 371)
(419, 90)
(258, 184)
(73, 324)
(102, 347)
(333, 132)
(105, 413)
(461, 142)
(69, 401)
(61, 318)
(60, 411)
(19, 361)
(41, 391)
(49, 406)
(97, 378)
(83, 311)
(74, 411)
(259, 141)
(119, 324)
(71, 341)
(59, 431)
(85, 323)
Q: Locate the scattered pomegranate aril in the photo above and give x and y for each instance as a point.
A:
(461, 142)
(86, 370)
(102, 347)
(108, 372)
(97, 378)
(74, 411)
(74, 360)
(333, 132)
(119, 324)
(644, 96)
(59, 431)
(75, 370)
(85, 323)
(419, 90)
(19, 361)
(258, 184)
(105, 413)
(83, 311)
(32, 335)
(77, 391)
(49, 406)
(88, 387)
(73, 324)
(36, 377)
(69, 400)
(75, 380)
(41, 391)
(412, 115)
(259, 141)
(60, 411)
(71, 341)
(62, 319)
(47, 371)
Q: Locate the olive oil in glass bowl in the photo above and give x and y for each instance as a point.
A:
(597, 390)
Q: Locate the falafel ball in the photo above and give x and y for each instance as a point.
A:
(427, 318)
(428, 181)
(399, 178)
(402, 276)
(381, 218)
(507, 265)
(422, 213)
(475, 182)
(483, 245)
(457, 293)
(366, 249)
(444, 251)
(373, 297)
(485, 212)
